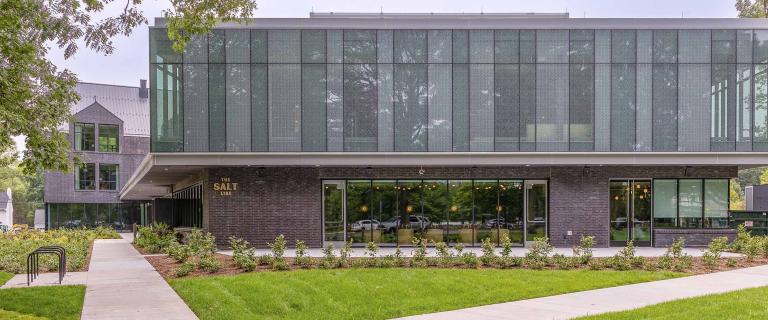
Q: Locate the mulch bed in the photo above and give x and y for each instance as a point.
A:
(166, 266)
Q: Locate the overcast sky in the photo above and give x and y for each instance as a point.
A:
(129, 62)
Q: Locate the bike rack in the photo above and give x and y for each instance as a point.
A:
(33, 262)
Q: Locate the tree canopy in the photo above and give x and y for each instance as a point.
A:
(752, 8)
(35, 95)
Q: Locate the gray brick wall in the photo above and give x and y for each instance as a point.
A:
(693, 237)
(270, 201)
(60, 186)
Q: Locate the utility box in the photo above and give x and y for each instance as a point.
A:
(756, 198)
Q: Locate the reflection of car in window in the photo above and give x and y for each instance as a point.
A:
(364, 225)
(417, 223)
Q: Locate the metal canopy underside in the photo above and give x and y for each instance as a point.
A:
(159, 171)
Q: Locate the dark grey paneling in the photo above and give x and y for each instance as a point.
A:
(259, 108)
(623, 46)
(623, 77)
(313, 46)
(386, 108)
(284, 107)
(527, 107)
(507, 46)
(284, 46)
(237, 46)
(217, 121)
(602, 106)
(460, 106)
(694, 46)
(694, 96)
(439, 107)
(644, 114)
(551, 99)
(481, 46)
(238, 106)
(360, 46)
(665, 46)
(313, 112)
(410, 91)
(335, 107)
(507, 107)
(196, 107)
(581, 107)
(360, 107)
(552, 46)
(664, 107)
(481, 107)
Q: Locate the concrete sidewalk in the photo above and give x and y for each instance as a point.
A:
(121, 284)
(47, 279)
(598, 301)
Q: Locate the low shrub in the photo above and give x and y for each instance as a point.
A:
(444, 256)
(278, 253)
(622, 260)
(201, 244)
(329, 258)
(155, 238)
(178, 252)
(419, 257)
(731, 262)
(185, 269)
(264, 260)
(344, 254)
(583, 251)
(537, 256)
(752, 247)
(564, 263)
(711, 257)
(742, 238)
(243, 255)
(302, 259)
(14, 247)
(470, 260)
(506, 246)
(489, 252)
(597, 264)
(209, 264)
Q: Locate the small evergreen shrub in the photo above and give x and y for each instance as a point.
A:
(185, 269)
(329, 258)
(470, 260)
(243, 255)
(731, 262)
(419, 258)
(444, 256)
(209, 264)
(302, 259)
(371, 250)
(344, 254)
(537, 256)
(178, 251)
(154, 238)
(564, 263)
(711, 257)
(278, 253)
(584, 250)
(488, 256)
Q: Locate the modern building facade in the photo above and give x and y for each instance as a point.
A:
(6, 209)
(110, 134)
(456, 127)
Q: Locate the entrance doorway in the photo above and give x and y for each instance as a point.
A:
(535, 209)
(630, 212)
(333, 212)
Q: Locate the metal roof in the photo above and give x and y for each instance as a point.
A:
(483, 21)
(123, 101)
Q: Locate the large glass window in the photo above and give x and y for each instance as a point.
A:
(460, 212)
(691, 195)
(360, 226)
(108, 138)
(716, 203)
(108, 174)
(690, 203)
(760, 129)
(664, 107)
(85, 137)
(166, 108)
(359, 46)
(664, 203)
(384, 210)
(507, 107)
(623, 77)
(85, 176)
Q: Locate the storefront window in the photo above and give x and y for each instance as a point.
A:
(384, 209)
(486, 209)
(690, 203)
(665, 203)
(716, 203)
(435, 201)
(510, 219)
(359, 223)
(460, 212)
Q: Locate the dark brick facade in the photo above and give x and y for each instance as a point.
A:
(270, 201)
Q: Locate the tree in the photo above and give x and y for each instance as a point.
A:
(27, 192)
(750, 9)
(35, 95)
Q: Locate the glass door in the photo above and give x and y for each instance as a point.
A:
(630, 212)
(535, 209)
(333, 213)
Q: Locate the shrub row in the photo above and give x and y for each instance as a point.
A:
(14, 247)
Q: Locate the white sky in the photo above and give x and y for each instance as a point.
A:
(129, 62)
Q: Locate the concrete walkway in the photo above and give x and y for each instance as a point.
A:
(121, 284)
(628, 297)
(47, 279)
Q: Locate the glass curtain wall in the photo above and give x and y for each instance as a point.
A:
(479, 90)
(120, 216)
(394, 212)
(690, 203)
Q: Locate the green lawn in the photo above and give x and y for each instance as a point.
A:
(55, 302)
(4, 277)
(743, 304)
(382, 293)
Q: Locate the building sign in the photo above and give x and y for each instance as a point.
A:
(225, 187)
